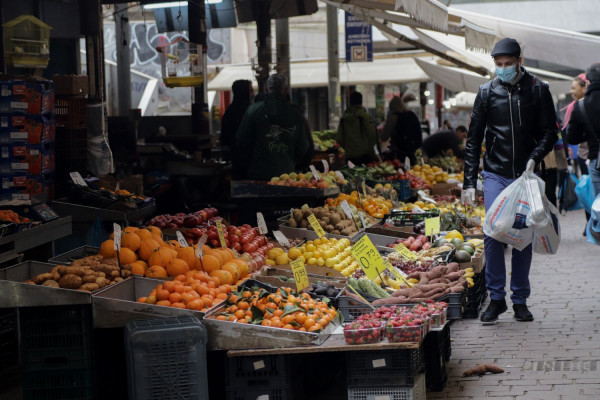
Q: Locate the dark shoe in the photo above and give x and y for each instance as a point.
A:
(522, 313)
(585, 231)
(495, 308)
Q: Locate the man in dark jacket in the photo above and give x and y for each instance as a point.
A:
(515, 115)
(271, 139)
(440, 142)
(356, 132)
(242, 98)
(583, 129)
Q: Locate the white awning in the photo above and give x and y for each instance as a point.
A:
(314, 74)
(455, 79)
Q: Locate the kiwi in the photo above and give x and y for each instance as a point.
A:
(320, 213)
(292, 222)
(298, 215)
(334, 219)
(323, 224)
(329, 228)
(303, 223)
(335, 232)
(339, 226)
(308, 226)
(306, 213)
(326, 219)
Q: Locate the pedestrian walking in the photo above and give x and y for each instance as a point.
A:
(403, 127)
(356, 132)
(515, 115)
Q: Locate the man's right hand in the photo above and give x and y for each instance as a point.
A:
(468, 197)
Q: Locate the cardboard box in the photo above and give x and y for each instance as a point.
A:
(71, 85)
(26, 95)
(442, 189)
(33, 159)
(23, 186)
(22, 128)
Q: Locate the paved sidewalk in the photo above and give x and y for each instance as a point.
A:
(555, 357)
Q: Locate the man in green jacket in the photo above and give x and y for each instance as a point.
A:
(356, 132)
(271, 138)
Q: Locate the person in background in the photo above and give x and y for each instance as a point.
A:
(555, 167)
(302, 165)
(403, 128)
(582, 129)
(515, 115)
(446, 126)
(271, 139)
(242, 98)
(356, 132)
(439, 143)
(578, 87)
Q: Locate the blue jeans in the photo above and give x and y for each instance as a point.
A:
(495, 268)
(594, 176)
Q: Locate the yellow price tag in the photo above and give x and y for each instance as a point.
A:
(316, 225)
(300, 275)
(220, 231)
(432, 226)
(399, 274)
(405, 252)
(367, 256)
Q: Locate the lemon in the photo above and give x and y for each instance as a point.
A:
(312, 261)
(270, 262)
(282, 259)
(454, 235)
(294, 253)
(274, 253)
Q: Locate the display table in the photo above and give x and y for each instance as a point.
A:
(38, 236)
(81, 213)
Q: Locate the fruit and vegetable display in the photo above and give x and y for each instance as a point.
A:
(412, 243)
(120, 200)
(331, 218)
(447, 163)
(11, 216)
(375, 206)
(87, 274)
(381, 170)
(285, 309)
(194, 290)
(308, 180)
(429, 174)
(198, 219)
(324, 140)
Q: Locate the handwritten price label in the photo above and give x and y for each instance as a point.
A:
(405, 252)
(432, 226)
(262, 225)
(221, 235)
(347, 209)
(340, 175)
(281, 239)
(367, 256)
(117, 236)
(300, 275)
(316, 225)
(351, 164)
(325, 166)
(181, 239)
(314, 172)
(77, 179)
(199, 246)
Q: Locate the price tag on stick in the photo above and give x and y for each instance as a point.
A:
(351, 164)
(405, 252)
(77, 179)
(367, 256)
(300, 275)
(325, 166)
(314, 172)
(316, 225)
(347, 209)
(117, 241)
(262, 225)
(181, 239)
(432, 226)
(340, 175)
(220, 232)
(199, 246)
(281, 239)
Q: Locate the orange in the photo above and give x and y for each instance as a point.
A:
(195, 305)
(309, 322)
(169, 285)
(216, 254)
(177, 267)
(147, 247)
(131, 229)
(156, 271)
(188, 254)
(233, 269)
(130, 240)
(158, 238)
(223, 276)
(107, 249)
(165, 303)
(162, 294)
(155, 230)
(160, 257)
(178, 305)
(144, 233)
(210, 263)
(137, 268)
(127, 256)
(243, 265)
(175, 297)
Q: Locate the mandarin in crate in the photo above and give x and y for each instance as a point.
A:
(107, 249)
(161, 257)
(188, 254)
(233, 269)
(176, 267)
(147, 247)
(156, 271)
(130, 240)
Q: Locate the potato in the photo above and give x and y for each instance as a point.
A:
(110, 261)
(51, 283)
(100, 274)
(114, 274)
(90, 287)
(70, 281)
(89, 278)
(125, 274)
(101, 281)
(41, 278)
(30, 282)
(118, 279)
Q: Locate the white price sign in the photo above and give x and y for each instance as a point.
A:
(181, 239)
(77, 179)
(281, 239)
(340, 175)
(347, 209)
(117, 236)
(325, 166)
(351, 164)
(262, 225)
(200, 245)
(315, 172)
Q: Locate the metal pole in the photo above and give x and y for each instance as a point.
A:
(333, 99)
(282, 44)
(263, 41)
(197, 34)
(123, 63)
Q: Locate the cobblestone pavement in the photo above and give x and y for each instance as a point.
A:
(555, 357)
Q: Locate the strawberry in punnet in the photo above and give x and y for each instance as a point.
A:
(363, 331)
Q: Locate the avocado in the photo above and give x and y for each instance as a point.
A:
(471, 245)
(283, 278)
(462, 256)
(456, 242)
(468, 249)
(439, 242)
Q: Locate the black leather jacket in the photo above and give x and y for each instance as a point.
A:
(578, 130)
(518, 123)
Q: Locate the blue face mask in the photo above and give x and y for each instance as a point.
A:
(507, 74)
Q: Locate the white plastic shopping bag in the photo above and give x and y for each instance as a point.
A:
(546, 238)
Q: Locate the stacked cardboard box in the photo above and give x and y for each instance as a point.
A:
(27, 130)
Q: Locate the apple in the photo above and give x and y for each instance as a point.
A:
(190, 221)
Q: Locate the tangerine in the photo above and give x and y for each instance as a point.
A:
(107, 249)
(156, 271)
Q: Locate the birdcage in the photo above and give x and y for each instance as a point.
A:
(182, 63)
(27, 42)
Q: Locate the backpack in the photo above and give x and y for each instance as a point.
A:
(488, 86)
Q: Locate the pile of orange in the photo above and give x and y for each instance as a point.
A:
(149, 255)
(194, 290)
(375, 206)
(284, 309)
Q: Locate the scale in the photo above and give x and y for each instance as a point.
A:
(45, 213)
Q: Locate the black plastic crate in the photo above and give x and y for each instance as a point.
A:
(437, 347)
(271, 393)
(456, 304)
(166, 359)
(417, 391)
(260, 371)
(249, 284)
(59, 385)
(390, 367)
(71, 111)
